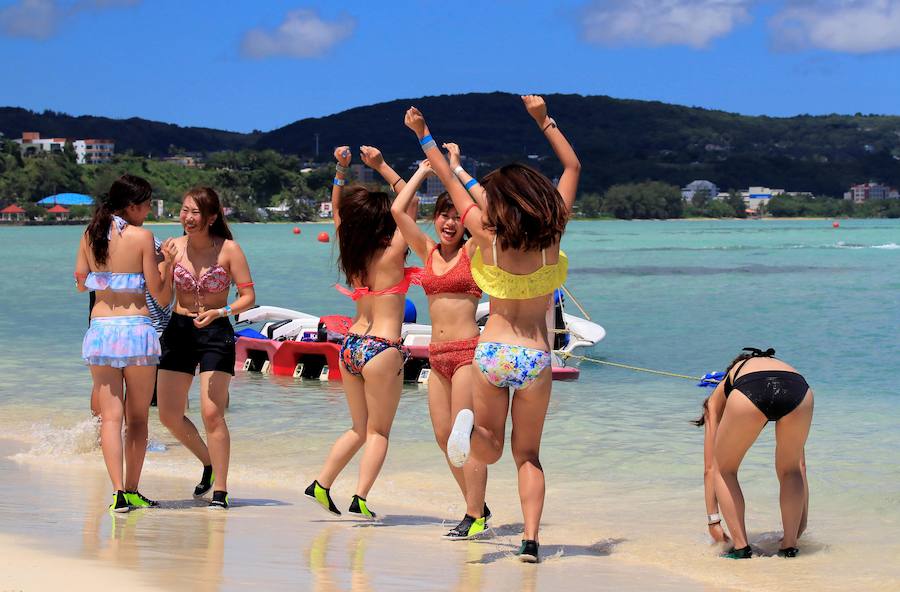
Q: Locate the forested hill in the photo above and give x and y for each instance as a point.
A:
(618, 141)
(621, 141)
(139, 135)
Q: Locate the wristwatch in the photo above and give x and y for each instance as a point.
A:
(713, 519)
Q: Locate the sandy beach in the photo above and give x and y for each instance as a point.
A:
(268, 540)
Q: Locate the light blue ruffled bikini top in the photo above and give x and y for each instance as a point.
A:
(132, 283)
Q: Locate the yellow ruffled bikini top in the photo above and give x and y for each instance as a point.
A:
(500, 283)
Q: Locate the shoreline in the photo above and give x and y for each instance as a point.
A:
(271, 537)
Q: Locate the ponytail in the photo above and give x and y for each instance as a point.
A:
(125, 191)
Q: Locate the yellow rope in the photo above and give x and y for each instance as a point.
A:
(627, 367)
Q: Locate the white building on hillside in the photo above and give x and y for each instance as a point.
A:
(89, 151)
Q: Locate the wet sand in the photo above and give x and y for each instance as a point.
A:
(58, 533)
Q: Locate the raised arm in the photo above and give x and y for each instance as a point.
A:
(568, 181)
(406, 220)
(342, 156)
(82, 268)
(712, 413)
(469, 182)
(415, 121)
(373, 159)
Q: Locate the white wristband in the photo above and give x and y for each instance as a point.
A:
(713, 519)
(458, 171)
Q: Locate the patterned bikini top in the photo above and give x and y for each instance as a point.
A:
(500, 283)
(212, 281)
(130, 283)
(457, 280)
(411, 275)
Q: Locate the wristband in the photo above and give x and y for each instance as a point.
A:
(471, 183)
(458, 170)
(340, 182)
(426, 139)
(227, 310)
(429, 145)
(712, 519)
(549, 125)
(342, 169)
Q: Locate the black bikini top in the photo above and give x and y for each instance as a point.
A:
(754, 353)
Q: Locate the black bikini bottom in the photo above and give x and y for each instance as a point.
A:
(774, 392)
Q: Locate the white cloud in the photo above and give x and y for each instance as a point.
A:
(848, 26)
(694, 23)
(41, 19)
(302, 35)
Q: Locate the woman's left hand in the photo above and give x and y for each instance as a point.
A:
(206, 317)
(168, 251)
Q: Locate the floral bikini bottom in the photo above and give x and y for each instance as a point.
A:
(510, 366)
(357, 350)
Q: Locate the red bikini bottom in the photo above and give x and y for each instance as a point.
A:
(446, 357)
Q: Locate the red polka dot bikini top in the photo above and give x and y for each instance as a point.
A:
(458, 280)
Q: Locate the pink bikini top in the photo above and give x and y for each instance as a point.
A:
(458, 280)
(213, 281)
(411, 275)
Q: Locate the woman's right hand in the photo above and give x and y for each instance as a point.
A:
(415, 121)
(452, 153)
(425, 169)
(342, 155)
(718, 533)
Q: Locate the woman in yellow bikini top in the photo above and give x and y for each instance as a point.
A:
(520, 209)
(499, 283)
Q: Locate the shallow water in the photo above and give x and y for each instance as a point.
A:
(622, 462)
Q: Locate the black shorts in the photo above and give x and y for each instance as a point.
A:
(184, 346)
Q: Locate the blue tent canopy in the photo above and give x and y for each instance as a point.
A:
(67, 199)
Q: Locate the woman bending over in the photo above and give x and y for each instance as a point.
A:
(757, 389)
(518, 263)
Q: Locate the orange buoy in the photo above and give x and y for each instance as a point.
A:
(296, 230)
(835, 224)
(323, 237)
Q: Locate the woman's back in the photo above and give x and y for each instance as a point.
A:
(125, 256)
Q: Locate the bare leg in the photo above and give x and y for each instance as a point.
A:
(383, 384)
(213, 402)
(491, 405)
(348, 443)
(109, 390)
(441, 420)
(445, 400)
(139, 381)
(171, 400)
(805, 517)
(529, 408)
(791, 432)
(741, 424)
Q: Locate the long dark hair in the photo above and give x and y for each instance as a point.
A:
(210, 205)
(366, 227)
(443, 204)
(125, 191)
(524, 209)
(746, 354)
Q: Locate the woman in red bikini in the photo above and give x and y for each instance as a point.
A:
(452, 299)
(200, 334)
(372, 257)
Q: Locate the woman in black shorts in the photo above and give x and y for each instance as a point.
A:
(757, 389)
(208, 261)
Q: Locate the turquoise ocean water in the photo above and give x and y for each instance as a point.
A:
(622, 462)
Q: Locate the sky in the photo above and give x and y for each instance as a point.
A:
(263, 64)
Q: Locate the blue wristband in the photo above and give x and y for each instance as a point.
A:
(426, 139)
(340, 182)
(471, 183)
(227, 310)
